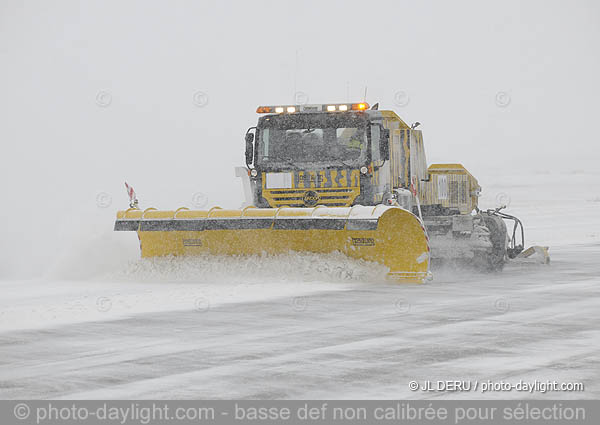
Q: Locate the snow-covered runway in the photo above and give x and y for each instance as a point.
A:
(336, 340)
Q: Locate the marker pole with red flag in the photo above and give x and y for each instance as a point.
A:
(133, 201)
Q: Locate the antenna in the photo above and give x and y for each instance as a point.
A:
(365, 98)
(295, 79)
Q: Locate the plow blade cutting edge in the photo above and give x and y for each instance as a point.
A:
(387, 235)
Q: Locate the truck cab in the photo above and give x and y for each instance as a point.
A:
(340, 155)
(343, 155)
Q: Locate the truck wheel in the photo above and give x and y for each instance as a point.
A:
(494, 260)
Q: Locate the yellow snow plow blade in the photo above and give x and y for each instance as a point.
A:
(388, 235)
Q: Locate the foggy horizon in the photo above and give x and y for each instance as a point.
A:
(160, 95)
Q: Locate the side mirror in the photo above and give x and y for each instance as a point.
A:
(384, 144)
(249, 148)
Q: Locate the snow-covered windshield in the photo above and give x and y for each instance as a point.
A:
(323, 139)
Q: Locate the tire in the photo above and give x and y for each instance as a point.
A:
(494, 260)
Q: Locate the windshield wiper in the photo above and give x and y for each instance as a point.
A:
(288, 161)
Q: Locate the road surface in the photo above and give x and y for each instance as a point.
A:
(362, 340)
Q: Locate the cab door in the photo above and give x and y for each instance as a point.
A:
(418, 162)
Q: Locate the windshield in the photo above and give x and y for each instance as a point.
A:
(322, 139)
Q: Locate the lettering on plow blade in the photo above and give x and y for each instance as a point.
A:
(310, 198)
(363, 241)
(192, 242)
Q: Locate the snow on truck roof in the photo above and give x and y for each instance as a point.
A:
(454, 168)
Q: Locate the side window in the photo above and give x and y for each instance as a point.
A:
(375, 143)
(265, 141)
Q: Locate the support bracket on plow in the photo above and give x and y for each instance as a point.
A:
(541, 252)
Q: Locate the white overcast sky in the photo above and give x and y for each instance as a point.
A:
(93, 93)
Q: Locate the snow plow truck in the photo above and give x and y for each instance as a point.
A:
(341, 177)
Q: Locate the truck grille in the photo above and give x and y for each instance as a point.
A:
(333, 197)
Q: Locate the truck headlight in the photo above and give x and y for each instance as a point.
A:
(253, 172)
(364, 170)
